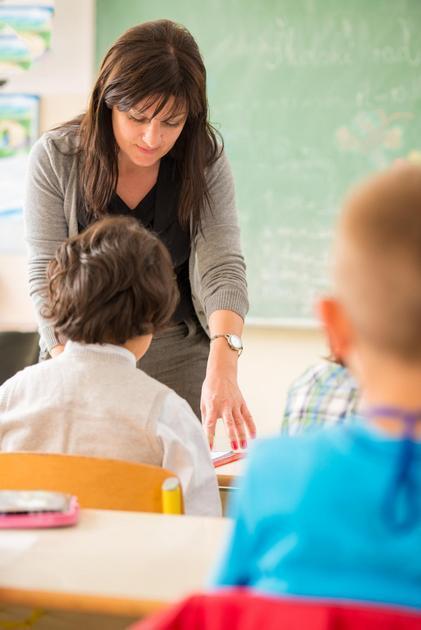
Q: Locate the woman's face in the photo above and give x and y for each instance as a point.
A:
(143, 139)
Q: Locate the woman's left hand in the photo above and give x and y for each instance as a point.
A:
(222, 398)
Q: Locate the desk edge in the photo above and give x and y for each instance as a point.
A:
(81, 602)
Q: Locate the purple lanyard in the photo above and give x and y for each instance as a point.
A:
(401, 506)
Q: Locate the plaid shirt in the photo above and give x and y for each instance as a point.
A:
(326, 394)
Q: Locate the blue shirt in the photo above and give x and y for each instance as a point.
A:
(309, 520)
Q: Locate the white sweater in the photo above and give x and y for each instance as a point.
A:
(92, 400)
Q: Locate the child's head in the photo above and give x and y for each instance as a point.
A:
(376, 313)
(111, 283)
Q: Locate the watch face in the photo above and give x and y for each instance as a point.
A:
(236, 342)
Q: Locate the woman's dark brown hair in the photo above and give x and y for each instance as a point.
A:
(151, 62)
(112, 282)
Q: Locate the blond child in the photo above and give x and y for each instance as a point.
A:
(337, 513)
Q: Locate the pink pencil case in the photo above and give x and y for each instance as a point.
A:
(37, 508)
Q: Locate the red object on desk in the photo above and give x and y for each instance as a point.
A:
(236, 609)
(226, 457)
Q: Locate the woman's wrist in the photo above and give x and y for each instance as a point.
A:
(222, 359)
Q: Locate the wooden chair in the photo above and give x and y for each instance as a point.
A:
(98, 483)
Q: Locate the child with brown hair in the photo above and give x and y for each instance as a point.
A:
(110, 289)
(337, 513)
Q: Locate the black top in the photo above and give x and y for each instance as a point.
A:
(158, 212)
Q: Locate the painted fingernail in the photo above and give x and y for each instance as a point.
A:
(234, 445)
(243, 443)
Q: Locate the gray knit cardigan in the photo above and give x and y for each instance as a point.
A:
(216, 266)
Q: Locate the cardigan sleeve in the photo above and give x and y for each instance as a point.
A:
(45, 227)
(220, 270)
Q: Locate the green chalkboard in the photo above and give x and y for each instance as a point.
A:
(309, 95)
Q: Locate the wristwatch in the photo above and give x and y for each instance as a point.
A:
(234, 341)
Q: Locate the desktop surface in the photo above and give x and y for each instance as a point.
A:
(116, 562)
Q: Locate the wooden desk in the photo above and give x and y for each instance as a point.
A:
(122, 563)
(229, 474)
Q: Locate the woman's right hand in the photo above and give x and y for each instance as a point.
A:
(58, 349)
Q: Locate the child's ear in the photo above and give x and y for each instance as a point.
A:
(338, 328)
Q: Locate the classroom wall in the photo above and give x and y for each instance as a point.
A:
(62, 78)
(272, 357)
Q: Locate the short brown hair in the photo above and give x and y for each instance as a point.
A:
(110, 283)
(380, 260)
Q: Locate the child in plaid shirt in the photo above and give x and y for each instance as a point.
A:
(326, 394)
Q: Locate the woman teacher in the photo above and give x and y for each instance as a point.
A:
(145, 148)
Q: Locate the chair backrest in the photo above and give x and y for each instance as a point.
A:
(98, 483)
(239, 609)
(17, 351)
